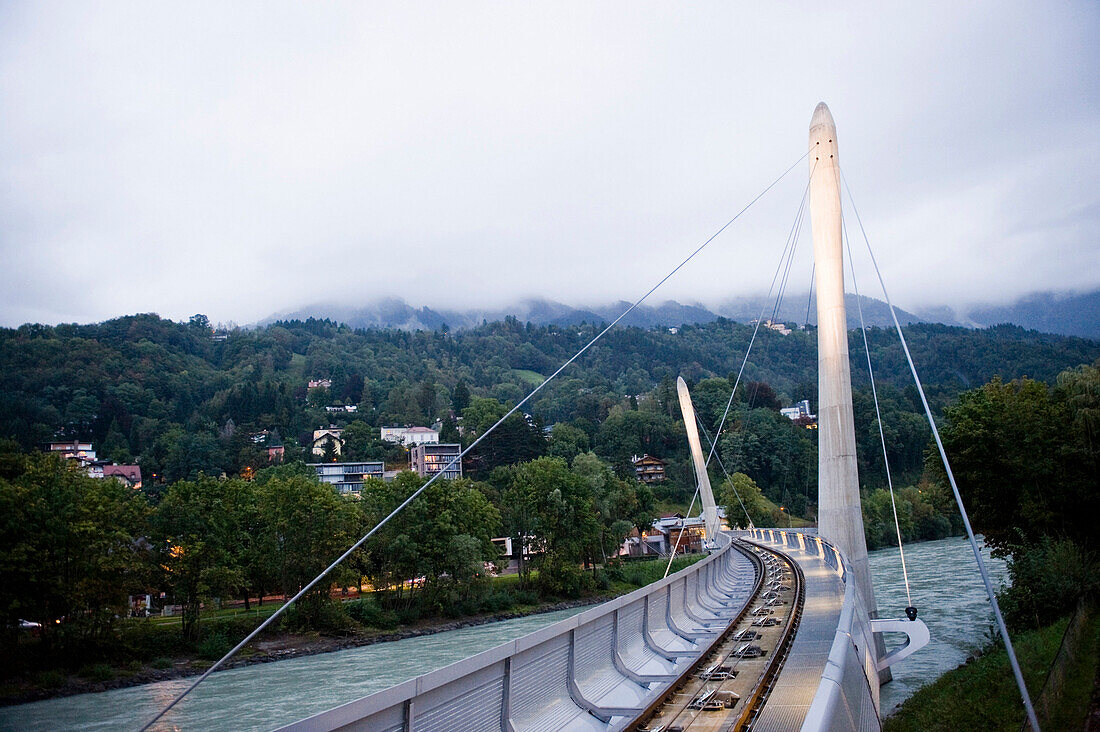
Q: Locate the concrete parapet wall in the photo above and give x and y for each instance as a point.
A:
(597, 670)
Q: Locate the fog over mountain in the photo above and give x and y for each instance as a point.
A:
(1063, 314)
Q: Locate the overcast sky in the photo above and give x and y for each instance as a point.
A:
(239, 159)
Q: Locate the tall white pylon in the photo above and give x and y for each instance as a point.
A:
(840, 518)
(710, 512)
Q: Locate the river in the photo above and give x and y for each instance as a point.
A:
(950, 598)
(944, 580)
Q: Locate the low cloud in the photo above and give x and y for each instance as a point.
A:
(241, 160)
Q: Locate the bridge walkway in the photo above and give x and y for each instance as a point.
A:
(808, 665)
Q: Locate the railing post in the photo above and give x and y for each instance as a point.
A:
(506, 698)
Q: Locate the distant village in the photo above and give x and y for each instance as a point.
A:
(427, 456)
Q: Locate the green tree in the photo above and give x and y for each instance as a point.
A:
(625, 434)
(620, 504)
(201, 323)
(1047, 582)
(71, 548)
(307, 525)
(710, 397)
(516, 440)
(1021, 467)
(567, 441)
(460, 397)
(318, 397)
(197, 530)
(448, 432)
(362, 442)
(744, 492)
(432, 554)
(481, 414)
(1079, 390)
(549, 508)
(776, 453)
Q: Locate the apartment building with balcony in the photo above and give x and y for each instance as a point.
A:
(427, 459)
(348, 477)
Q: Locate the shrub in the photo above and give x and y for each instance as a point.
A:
(1048, 580)
(130, 668)
(214, 646)
(563, 579)
(96, 672)
(143, 639)
(614, 572)
(367, 612)
(408, 615)
(323, 616)
(498, 601)
(49, 679)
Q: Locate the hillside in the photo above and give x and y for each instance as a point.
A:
(180, 402)
(1069, 314)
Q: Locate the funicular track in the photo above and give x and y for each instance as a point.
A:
(727, 688)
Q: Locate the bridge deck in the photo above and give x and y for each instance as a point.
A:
(807, 664)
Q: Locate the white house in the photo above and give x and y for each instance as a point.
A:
(409, 436)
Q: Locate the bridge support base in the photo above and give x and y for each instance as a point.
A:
(917, 639)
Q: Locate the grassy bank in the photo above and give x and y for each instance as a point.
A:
(982, 694)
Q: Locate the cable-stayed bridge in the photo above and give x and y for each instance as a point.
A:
(774, 630)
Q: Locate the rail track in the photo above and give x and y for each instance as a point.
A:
(729, 686)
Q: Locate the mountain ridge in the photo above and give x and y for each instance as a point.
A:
(396, 313)
(1073, 314)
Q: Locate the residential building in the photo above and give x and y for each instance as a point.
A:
(780, 328)
(509, 559)
(393, 434)
(320, 383)
(323, 437)
(800, 414)
(649, 469)
(798, 409)
(685, 535)
(276, 453)
(427, 459)
(348, 477)
(673, 531)
(128, 475)
(81, 452)
(648, 543)
(408, 436)
(421, 436)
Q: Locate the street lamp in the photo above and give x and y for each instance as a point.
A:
(789, 524)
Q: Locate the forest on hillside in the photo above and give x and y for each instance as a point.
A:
(182, 401)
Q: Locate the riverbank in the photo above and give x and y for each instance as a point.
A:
(981, 694)
(277, 646)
